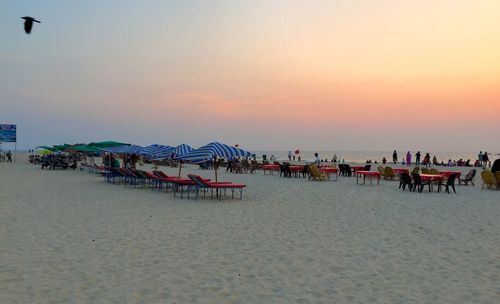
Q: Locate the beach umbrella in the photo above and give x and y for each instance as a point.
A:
(153, 151)
(212, 151)
(44, 151)
(107, 144)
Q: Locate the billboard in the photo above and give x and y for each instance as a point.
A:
(7, 133)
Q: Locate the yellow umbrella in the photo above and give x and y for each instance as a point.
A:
(44, 152)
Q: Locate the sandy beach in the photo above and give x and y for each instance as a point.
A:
(69, 237)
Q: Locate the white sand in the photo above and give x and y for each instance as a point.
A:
(288, 241)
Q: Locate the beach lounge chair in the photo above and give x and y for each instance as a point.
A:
(497, 178)
(433, 171)
(488, 179)
(469, 178)
(450, 182)
(389, 173)
(426, 171)
(380, 170)
(315, 174)
(418, 183)
(405, 180)
(348, 170)
(203, 184)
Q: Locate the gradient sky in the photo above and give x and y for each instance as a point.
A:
(269, 75)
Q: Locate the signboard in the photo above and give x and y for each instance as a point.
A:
(7, 133)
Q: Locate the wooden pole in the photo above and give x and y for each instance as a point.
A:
(215, 167)
(180, 166)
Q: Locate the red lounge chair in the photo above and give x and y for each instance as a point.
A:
(201, 183)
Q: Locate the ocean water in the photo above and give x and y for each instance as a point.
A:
(363, 156)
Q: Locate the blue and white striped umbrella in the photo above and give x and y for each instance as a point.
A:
(153, 150)
(183, 149)
(210, 150)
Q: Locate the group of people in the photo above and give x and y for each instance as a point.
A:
(7, 157)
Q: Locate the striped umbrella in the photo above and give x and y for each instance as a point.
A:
(153, 150)
(212, 151)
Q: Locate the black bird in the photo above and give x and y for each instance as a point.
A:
(28, 23)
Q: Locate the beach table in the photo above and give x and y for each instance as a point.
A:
(447, 174)
(271, 168)
(329, 171)
(401, 170)
(431, 178)
(296, 169)
(357, 168)
(370, 174)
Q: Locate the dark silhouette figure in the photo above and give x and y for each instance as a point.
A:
(28, 23)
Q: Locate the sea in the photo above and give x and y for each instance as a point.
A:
(363, 156)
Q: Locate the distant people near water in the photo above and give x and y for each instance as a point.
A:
(9, 157)
(403, 161)
(394, 157)
(450, 163)
(486, 159)
(435, 161)
(384, 161)
(417, 159)
(272, 158)
(408, 158)
(334, 159)
(299, 159)
(289, 155)
(293, 158)
(427, 160)
(317, 161)
(480, 158)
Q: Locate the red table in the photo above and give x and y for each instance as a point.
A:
(270, 168)
(447, 174)
(401, 170)
(296, 169)
(431, 178)
(329, 171)
(357, 168)
(370, 174)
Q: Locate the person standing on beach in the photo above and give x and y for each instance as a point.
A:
(485, 159)
(480, 157)
(394, 157)
(417, 159)
(289, 155)
(408, 158)
(9, 157)
(427, 160)
(317, 161)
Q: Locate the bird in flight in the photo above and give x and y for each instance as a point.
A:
(28, 23)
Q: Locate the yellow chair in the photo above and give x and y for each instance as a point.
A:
(426, 171)
(380, 169)
(488, 179)
(315, 174)
(497, 178)
(434, 171)
(389, 173)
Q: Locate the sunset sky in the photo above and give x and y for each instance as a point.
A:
(269, 75)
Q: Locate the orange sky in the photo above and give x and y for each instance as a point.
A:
(260, 65)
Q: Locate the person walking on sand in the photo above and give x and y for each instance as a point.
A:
(485, 159)
(480, 157)
(408, 158)
(9, 157)
(394, 157)
(417, 159)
